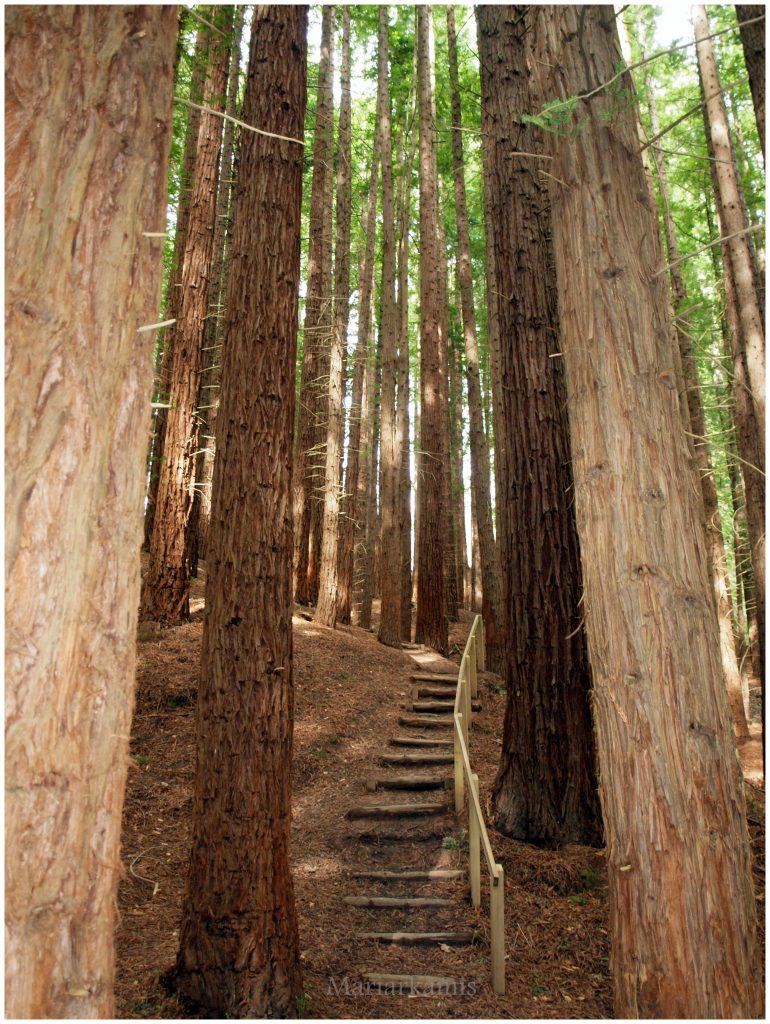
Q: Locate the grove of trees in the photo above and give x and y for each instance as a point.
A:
(385, 314)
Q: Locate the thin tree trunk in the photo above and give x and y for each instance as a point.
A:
(733, 219)
(476, 587)
(326, 610)
(389, 632)
(166, 594)
(753, 40)
(456, 470)
(370, 439)
(239, 946)
(405, 513)
(208, 401)
(480, 458)
(545, 791)
(356, 474)
(78, 383)
(431, 626)
(174, 289)
(696, 423)
(750, 441)
(318, 319)
(671, 785)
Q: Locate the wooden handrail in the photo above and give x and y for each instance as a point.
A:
(473, 659)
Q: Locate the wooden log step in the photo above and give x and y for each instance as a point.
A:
(424, 722)
(418, 741)
(396, 902)
(416, 984)
(414, 782)
(411, 875)
(435, 677)
(420, 938)
(441, 706)
(445, 693)
(398, 759)
(416, 834)
(395, 811)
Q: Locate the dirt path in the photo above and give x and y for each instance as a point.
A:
(348, 691)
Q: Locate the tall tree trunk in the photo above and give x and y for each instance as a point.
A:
(431, 626)
(326, 610)
(208, 401)
(238, 946)
(671, 785)
(476, 592)
(696, 424)
(389, 632)
(356, 474)
(748, 436)
(318, 319)
(365, 548)
(480, 478)
(545, 791)
(405, 512)
(753, 39)
(174, 288)
(733, 219)
(80, 292)
(166, 594)
(457, 492)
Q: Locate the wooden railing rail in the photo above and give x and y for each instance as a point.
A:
(478, 837)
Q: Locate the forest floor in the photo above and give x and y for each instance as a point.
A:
(348, 691)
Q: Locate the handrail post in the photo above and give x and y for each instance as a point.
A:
(497, 922)
(474, 686)
(459, 775)
(466, 703)
(474, 844)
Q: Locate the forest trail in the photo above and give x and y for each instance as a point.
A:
(349, 696)
(402, 892)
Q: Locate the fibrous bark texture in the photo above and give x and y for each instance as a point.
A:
(480, 472)
(326, 610)
(695, 422)
(682, 904)
(166, 596)
(545, 791)
(355, 475)
(389, 631)
(753, 39)
(309, 458)
(238, 951)
(78, 384)
(432, 490)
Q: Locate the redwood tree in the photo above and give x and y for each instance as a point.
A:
(165, 597)
(480, 471)
(682, 908)
(390, 452)
(432, 490)
(238, 948)
(545, 791)
(85, 178)
(326, 610)
(753, 39)
(317, 331)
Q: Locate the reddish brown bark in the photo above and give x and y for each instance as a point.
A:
(545, 791)
(326, 610)
(389, 631)
(355, 475)
(432, 491)
(480, 456)
(78, 384)
(238, 948)
(753, 40)
(165, 597)
(682, 906)
(309, 458)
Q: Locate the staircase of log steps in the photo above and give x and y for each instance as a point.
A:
(403, 899)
